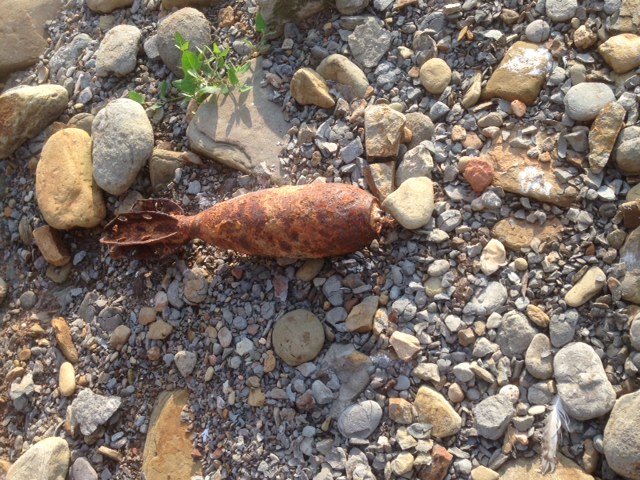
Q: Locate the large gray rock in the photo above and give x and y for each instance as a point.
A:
(487, 300)
(561, 10)
(22, 33)
(122, 143)
(46, 460)
(25, 111)
(627, 150)
(539, 358)
(493, 415)
(194, 28)
(582, 382)
(89, 410)
(369, 42)
(515, 333)
(622, 437)
(225, 131)
(360, 420)
(118, 51)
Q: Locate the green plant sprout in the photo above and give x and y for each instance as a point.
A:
(209, 72)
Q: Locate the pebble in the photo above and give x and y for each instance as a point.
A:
(603, 134)
(493, 257)
(309, 88)
(116, 163)
(412, 203)
(159, 330)
(360, 318)
(384, 129)
(369, 42)
(416, 162)
(486, 300)
(118, 51)
(621, 52)
(67, 379)
(479, 173)
(493, 415)
(435, 75)
(119, 337)
(350, 79)
(561, 10)
(360, 420)
(82, 470)
(582, 382)
(432, 408)
(584, 101)
(537, 31)
(539, 357)
(586, 288)
(89, 410)
(405, 345)
(185, 362)
(64, 339)
(483, 473)
(194, 28)
(400, 411)
(297, 337)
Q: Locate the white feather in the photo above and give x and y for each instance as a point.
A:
(556, 421)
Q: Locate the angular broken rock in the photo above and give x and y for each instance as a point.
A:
(521, 73)
(383, 131)
(380, 178)
(225, 131)
(431, 407)
(603, 134)
(309, 88)
(88, 411)
(493, 257)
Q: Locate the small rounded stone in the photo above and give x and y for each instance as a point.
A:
(298, 337)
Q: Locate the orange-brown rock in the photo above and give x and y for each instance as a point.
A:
(63, 337)
(479, 174)
(168, 446)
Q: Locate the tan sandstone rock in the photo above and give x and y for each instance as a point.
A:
(67, 195)
(309, 88)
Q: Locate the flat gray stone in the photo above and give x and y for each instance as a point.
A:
(582, 382)
(539, 358)
(515, 333)
(82, 470)
(584, 101)
(369, 42)
(242, 131)
(561, 10)
(487, 300)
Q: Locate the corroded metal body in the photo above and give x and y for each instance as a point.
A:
(311, 221)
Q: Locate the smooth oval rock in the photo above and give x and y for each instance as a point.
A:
(350, 79)
(118, 51)
(67, 195)
(194, 28)
(25, 111)
(360, 420)
(309, 88)
(435, 75)
(515, 333)
(586, 288)
(412, 203)
(584, 101)
(51, 456)
(122, 143)
(582, 382)
(622, 436)
(67, 379)
(298, 337)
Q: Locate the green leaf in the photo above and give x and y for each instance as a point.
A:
(136, 97)
(245, 88)
(261, 24)
(186, 86)
(232, 76)
(243, 68)
(191, 63)
(181, 43)
(164, 89)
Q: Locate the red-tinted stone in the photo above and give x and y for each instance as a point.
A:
(479, 174)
